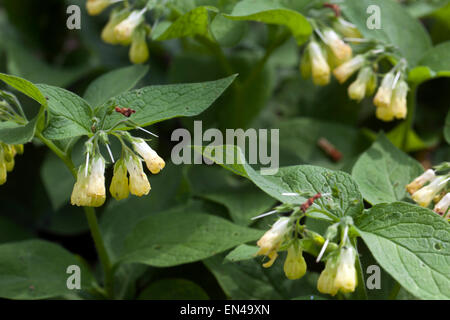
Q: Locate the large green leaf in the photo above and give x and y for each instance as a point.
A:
(412, 244)
(36, 269)
(12, 133)
(188, 236)
(70, 115)
(397, 27)
(113, 83)
(24, 86)
(157, 103)
(298, 179)
(383, 171)
(271, 12)
(435, 63)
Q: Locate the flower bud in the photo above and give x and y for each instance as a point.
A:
(398, 106)
(442, 206)
(294, 265)
(319, 65)
(124, 30)
(346, 279)
(3, 171)
(344, 71)
(108, 35)
(384, 94)
(325, 284)
(424, 195)
(341, 50)
(272, 239)
(346, 28)
(95, 7)
(138, 184)
(357, 90)
(139, 50)
(420, 181)
(154, 162)
(305, 65)
(119, 183)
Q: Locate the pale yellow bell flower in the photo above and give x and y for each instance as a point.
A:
(294, 265)
(345, 70)
(139, 184)
(153, 161)
(319, 67)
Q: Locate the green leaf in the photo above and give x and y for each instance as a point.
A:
(420, 9)
(248, 280)
(12, 133)
(383, 171)
(413, 141)
(193, 23)
(303, 179)
(157, 103)
(447, 128)
(412, 244)
(397, 27)
(271, 12)
(24, 86)
(243, 200)
(70, 115)
(435, 63)
(228, 33)
(36, 269)
(242, 252)
(113, 83)
(10, 231)
(188, 236)
(173, 289)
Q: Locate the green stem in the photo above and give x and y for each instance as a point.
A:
(92, 221)
(101, 250)
(361, 288)
(410, 115)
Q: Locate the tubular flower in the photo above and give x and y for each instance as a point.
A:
(305, 65)
(7, 154)
(89, 190)
(124, 30)
(319, 66)
(294, 265)
(398, 103)
(119, 184)
(154, 162)
(325, 284)
(139, 184)
(442, 206)
(346, 28)
(340, 49)
(346, 279)
(420, 181)
(344, 71)
(95, 7)
(139, 49)
(272, 239)
(424, 195)
(358, 89)
(108, 34)
(384, 94)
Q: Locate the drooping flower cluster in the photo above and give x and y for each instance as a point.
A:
(125, 27)
(7, 162)
(129, 176)
(286, 234)
(327, 53)
(430, 187)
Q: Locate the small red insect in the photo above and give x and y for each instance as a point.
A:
(334, 7)
(310, 202)
(127, 112)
